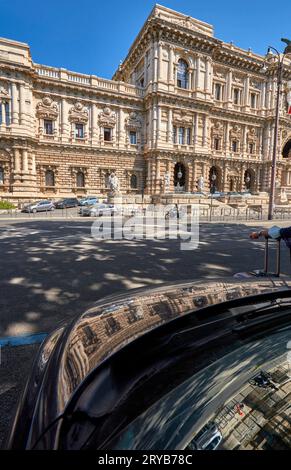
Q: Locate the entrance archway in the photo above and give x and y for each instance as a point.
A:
(180, 177)
(287, 149)
(215, 178)
(249, 180)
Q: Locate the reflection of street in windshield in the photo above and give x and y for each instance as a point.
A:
(258, 417)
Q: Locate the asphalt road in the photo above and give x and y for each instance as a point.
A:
(52, 270)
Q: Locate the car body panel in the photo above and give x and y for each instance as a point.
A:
(111, 326)
(66, 203)
(40, 206)
(88, 201)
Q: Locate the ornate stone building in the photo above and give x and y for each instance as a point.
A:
(182, 105)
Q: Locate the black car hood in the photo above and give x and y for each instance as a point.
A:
(72, 353)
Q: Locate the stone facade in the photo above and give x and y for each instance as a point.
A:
(182, 105)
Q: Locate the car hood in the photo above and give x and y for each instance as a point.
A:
(114, 322)
(71, 353)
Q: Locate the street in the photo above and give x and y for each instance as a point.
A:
(52, 270)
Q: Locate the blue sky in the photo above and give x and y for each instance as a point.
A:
(92, 36)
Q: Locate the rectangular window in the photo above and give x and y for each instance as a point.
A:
(253, 100)
(216, 144)
(181, 135)
(217, 91)
(7, 114)
(251, 147)
(188, 135)
(234, 146)
(79, 131)
(48, 127)
(174, 134)
(132, 138)
(236, 96)
(107, 134)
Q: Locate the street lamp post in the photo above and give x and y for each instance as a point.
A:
(276, 127)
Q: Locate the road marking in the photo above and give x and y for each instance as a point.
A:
(22, 340)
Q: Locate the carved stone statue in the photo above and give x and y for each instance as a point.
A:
(167, 180)
(114, 184)
(200, 183)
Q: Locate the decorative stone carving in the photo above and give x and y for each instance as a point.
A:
(217, 129)
(181, 118)
(288, 96)
(238, 79)
(107, 118)
(255, 84)
(133, 122)
(235, 131)
(78, 113)
(47, 109)
(252, 135)
(4, 93)
(113, 184)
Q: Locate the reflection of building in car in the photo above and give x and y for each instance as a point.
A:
(208, 438)
(151, 367)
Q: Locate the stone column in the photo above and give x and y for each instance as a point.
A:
(207, 75)
(193, 177)
(171, 65)
(158, 176)
(246, 91)
(21, 104)
(197, 73)
(94, 122)
(160, 69)
(244, 149)
(227, 137)
(150, 127)
(229, 86)
(156, 60)
(24, 161)
(3, 114)
(205, 129)
(149, 174)
(14, 104)
(190, 78)
(33, 164)
(17, 161)
(154, 120)
(196, 128)
(170, 126)
(64, 118)
(159, 112)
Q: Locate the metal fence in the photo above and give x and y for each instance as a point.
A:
(206, 214)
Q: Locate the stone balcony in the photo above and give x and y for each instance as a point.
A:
(62, 75)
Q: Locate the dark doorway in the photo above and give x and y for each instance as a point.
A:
(180, 177)
(287, 149)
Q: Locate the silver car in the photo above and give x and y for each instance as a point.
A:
(97, 210)
(40, 206)
(208, 438)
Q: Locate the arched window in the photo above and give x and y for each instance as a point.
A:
(133, 182)
(80, 179)
(1, 175)
(182, 74)
(49, 178)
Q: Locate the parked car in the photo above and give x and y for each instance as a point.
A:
(208, 438)
(66, 203)
(97, 210)
(40, 206)
(89, 200)
(139, 370)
